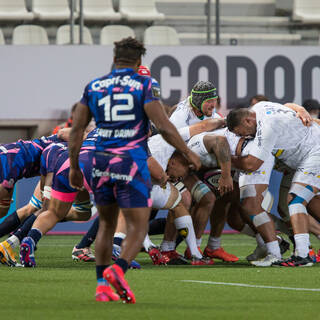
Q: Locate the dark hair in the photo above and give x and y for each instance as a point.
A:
(128, 51)
(258, 97)
(311, 104)
(235, 116)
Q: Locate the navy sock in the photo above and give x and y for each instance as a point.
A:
(117, 241)
(9, 224)
(25, 227)
(157, 226)
(35, 234)
(99, 271)
(90, 236)
(123, 264)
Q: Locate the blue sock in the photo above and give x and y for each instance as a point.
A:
(35, 234)
(9, 224)
(90, 236)
(117, 241)
(25, 227)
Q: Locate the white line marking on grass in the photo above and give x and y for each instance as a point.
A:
(250, 285)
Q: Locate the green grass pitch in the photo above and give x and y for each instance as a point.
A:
(60, 288)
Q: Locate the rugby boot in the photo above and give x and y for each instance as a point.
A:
(105, 293)
(115, 276)
(219, 254)
(27, 253)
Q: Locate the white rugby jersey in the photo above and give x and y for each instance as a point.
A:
(281, 133)
(208, 159)
(183, 117)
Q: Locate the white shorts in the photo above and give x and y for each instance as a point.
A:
(260, 176)
(160, 196)
(197, 146)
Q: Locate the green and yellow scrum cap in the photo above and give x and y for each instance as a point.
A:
(201, 92)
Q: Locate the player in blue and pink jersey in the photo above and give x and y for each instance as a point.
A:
(19, 160)
(61, 197)
(121, 102)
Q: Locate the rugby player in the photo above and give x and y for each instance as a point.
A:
(121, 103)
(277, 130)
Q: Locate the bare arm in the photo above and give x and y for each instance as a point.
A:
(64, 134)
(156, 172)
(206, 125)
(81, 118)
(157, 115)
(246, 163)
(220, 147)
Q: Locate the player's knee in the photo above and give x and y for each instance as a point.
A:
(299, 197)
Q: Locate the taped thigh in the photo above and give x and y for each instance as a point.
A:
(300, 195)
(35, 202)
(247, 191)
(84, 206)
(199, 190)
(267, 201)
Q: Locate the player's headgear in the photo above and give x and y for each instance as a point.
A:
(201, 92)
(144, 71)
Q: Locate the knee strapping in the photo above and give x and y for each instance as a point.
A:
(35, 202)
(199, 190)
(260, 219)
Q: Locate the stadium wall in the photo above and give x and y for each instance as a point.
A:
(43, 82)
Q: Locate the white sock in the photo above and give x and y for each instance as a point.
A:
(198, 241)
(168, 245)
(214, 243)
(185, 222)
(302, 244)
(273, 248)
(13, 241)
(147, 243)
(248, 231)
(259, 240)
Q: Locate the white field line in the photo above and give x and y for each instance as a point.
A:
(250, 285)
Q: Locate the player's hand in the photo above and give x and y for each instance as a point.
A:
(194, 160)
(304, 116)
(163, 180)
(225, 185)
(76, 179)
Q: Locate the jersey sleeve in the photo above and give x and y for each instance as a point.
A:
(184, 133)
(152, 90)
(264, 141)
(179, 118)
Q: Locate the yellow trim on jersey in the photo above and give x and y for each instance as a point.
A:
(279, 153)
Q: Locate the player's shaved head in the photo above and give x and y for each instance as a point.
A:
(235, 117)
(128, 51)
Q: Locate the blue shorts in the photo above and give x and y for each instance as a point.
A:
(121, 179)
(61, 188)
